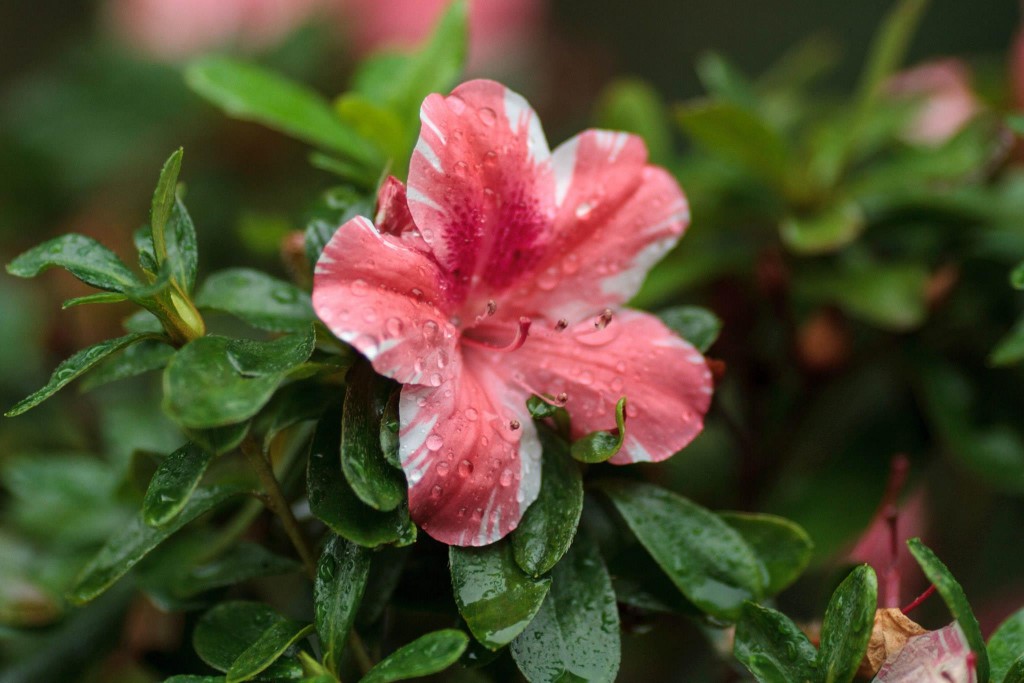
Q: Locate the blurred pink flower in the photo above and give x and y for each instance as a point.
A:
(948, 103)
(173, 30)
(495, 25)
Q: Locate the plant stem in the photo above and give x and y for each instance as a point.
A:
(363, 660)
(277, 503)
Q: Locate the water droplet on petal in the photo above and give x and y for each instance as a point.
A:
(461, 168)
(443, 468)
(586, 377)
(430, 330)
(434, 442)
(436, 492)
(490, 158)
(487, 116)
(359, 287)
(465, 468)
(394, 327)
(472, 414)
(442, 359)
(506, 478)
(548, 280)
(435, 380)
(456, 103)
(583, 210)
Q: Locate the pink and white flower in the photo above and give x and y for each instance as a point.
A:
(947, 101)
(498, 273)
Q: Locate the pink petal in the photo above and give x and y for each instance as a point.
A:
(617, 217)
(665, 380)
(389, 301)
(934, 657)
(470, 474)
(393, 216)
(480, 186)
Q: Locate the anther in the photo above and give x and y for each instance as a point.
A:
(561, 325)
(562, 398)
(603, 319)
(514, 425)
(492, 307)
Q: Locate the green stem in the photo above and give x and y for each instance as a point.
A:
(363, 660)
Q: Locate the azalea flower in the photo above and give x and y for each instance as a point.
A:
(948, 102)
(497, 274)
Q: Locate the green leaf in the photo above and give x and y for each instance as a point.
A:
(549, 524)
(389, 424)
(164, 198)
(697, 325)
(575, 635)
(828, 230)
(707, 560)
(99, 298)
(251, 93)
(172, 485)
(225, 632)
(891, 297)
(494, 596)
(540, 408)
(219, 439)
(1017, 277)
(846, 628)
(336, 207)
(182, 248)
(1010, 348)
(636, 107)
(1015, 674)
(82, 256)
(259, 299)
(171, 242)
(186, 678)
(782, 546)
(424, 656)
(373, 479)
(295, 403)
(137, 539)
(215, 381)
(600, 446)
(341, 576)
(1006, 645)
(240, 563)
(333, 502)
(74, 367)
(953, 595)
(375, 123)
(722, 79)
(772, 647)
(739, 136)
(889, 47)
(271, 644)
(135, 360)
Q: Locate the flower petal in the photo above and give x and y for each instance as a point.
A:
(393, 216)
(389, 301)
(481, 188)
(665, 380)
(470, 475)
(617, 217)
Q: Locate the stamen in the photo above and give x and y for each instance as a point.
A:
(561, 325)
(918, 600)
(522, 330)
(492, 307)
(561, 399)
(514, 425)
(603, 319)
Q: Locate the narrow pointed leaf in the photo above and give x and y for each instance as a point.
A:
(772, 647)
(549, 525)
(782, 546)
(135, 541)
(1015, 674)
(182, 247)
(1005, 645)
(164, 198)
(495, 597)
(257, 298)
(846, 628)
(575, 635)
(267, 649)
(889, 47)
(707, 560)
(147, 355)
(696, 325)
(175, 480)
(953, 595)
(600, 446)
(100, 298)
(341, 576)
(74, 367)
(371, 477)
(226, 631)
(424, 656)
(82, 256)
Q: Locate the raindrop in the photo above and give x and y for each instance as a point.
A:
(442, 359)
(359, 287)
(436, 492)
(443, 468)
(617, 384)
(621, 366)
(465, 468)
(284, 296)
(571, 264)
(472, 414)
(434, 442)
(583, 210)
(435, 379)
(548, 280)
(506, 478)
(421, 401)
(461, 168)
(490, 159)
(430, 330)
(394, 327)
(487, 116)
(586, 378)
(456, 104)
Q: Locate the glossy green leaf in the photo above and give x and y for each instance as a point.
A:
(215, 381)
(846, 628)
(82, 256)
(145, 356)
(240, 563)
(98, 298)
(74, 367)
(782, 546)
(1010, 348)
(271, 644)
(1017, 277)
(540, 408)
(772, 647)
(600, 446)
(707, 560)
(953, 595)
(172, 485)
(549, 524)
(334, 208)
(696, 325)
(386, 568)
(182, 248)
(495, 597)
(257, 298)
(186, 678)
(892, 297)
(219, 439)
(575, 635)
(341, 576)
(389, 424)
(164, 198)
(226, 631)
(251, 93)
(135, 540)
(333, 501)
(373, 479)
(376, 123)
(636, 107)
(1015, 674)
(292, 404)
(828, 230)
(1006, 645)
(424, 656)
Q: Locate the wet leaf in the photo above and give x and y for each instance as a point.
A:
(575, 635)
(98, 298)
(708, 561)
(953, 595)
(696, 325)
(175, 480)
(341, 576)
(371, 477)
(240, 563)
(145, 356)
(172, 235)
(495, 597)
(389, 424)
(549, 524)
(271, 644)
(219, 439)
(426, 655)
(82, 256)
(772, 647)
(225, 632)
(1006, 645)
(74, 367)
(829, 230)
(782, 546)
(600, 446)
(257, 298)
(1015, 674)
(891, 296)
(846, 628)
(164, 198)
(334, 208)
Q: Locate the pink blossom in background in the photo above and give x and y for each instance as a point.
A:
(500, 272)
(875, 547)
(495, 25)
(947, 101)
(174, 30)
